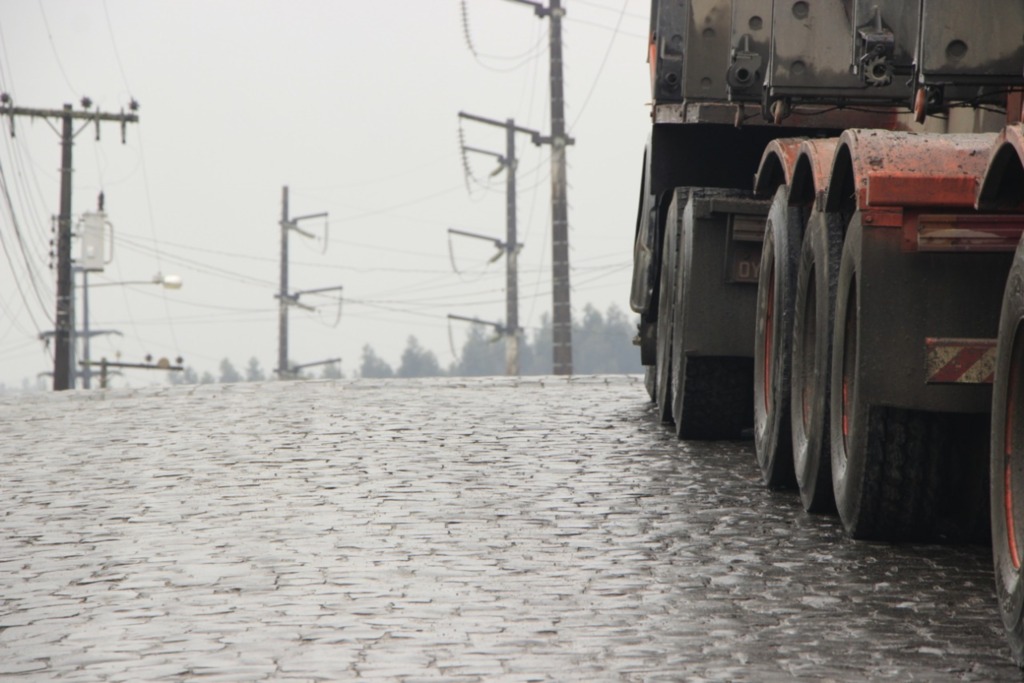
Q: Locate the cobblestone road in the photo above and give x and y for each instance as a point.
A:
(442, 530)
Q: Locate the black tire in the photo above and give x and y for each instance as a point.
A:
(885, 461)
(712, 396)
(776, 292)
(1007, 460)
(666, 316)
(650, 382)
(814, 310)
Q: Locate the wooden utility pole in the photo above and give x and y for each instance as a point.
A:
(63, 377)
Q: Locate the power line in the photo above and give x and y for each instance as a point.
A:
(596, 5)
(600, 69)
(113, 42)
(53, 46)
(530, 55)
(32, 276)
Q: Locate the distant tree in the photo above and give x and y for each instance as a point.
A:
(332, 371)
(417, 361)
(253, 372)
(482, 354)
(207, 378)
(600, 344)
(535, 358)
(186, 376)
(372, 366)
(603, 344)
(228, 374)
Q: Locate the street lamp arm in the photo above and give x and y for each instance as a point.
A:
(165, 281)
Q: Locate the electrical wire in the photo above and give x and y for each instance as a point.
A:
(53, 46)
(530, 55)
(198, 266)
(10, 258)
(604, 62)
(402, 205)
(595, 24)
(605, 8)
(113, 43)
(309, 264)
(145, 175)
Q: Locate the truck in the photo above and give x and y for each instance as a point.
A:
(828, 257)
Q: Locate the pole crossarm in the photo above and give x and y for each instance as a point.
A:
(536, 136)
(497, 155)
(68, 114)
(105, 365)
(61, 113)
(538, 9)
(494, 122)
(498, 243)
(138, 366)
(322, 214)
(501, 328)
(303, 366)
(318, 290)
(81, 333)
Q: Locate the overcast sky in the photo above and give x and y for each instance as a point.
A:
(353, 105)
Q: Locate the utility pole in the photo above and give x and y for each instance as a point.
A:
(562, 307)
(561, 317)
(511, 246)
(286, 298)
(511, 254)
(282, 296)
(63, 377)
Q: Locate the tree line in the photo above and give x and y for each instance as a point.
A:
(602, 344)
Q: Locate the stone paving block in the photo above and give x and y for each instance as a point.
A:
(478, 529)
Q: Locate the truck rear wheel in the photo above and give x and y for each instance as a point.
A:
(666, 317)
(712, 396)
(885, 460)
(1007, 460)
(776, 290)
(814, 310)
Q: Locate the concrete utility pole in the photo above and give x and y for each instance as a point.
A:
(63, 373)
(562, 307)
(511, 254)
(286, 298)
(561, 317)
(511, 246)
(282, 295)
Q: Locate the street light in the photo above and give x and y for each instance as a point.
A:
(165, 281)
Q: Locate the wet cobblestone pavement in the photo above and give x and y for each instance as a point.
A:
(443, 530)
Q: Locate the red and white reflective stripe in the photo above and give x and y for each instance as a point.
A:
(959, 361)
